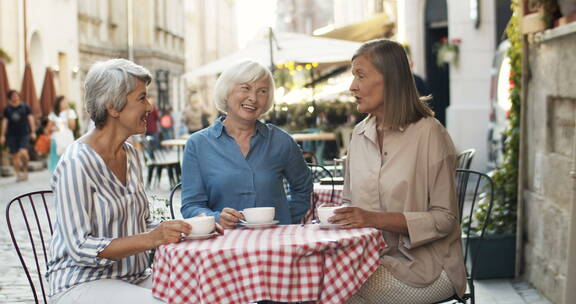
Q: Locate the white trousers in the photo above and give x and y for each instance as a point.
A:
(108, 291)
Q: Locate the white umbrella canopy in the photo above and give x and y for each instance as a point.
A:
(286, 47)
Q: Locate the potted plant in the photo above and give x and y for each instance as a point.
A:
(496, 256)
(447, 52)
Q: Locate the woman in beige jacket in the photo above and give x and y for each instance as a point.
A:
(400, 179)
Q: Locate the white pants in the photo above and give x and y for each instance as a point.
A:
(108, 291)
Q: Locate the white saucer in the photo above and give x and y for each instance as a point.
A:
(200, 236)
(259, 225)
(329, 226)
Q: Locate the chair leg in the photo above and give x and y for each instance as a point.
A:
(171, 176)
(159, 175)
(150, 174)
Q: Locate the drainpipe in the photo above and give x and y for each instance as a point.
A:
(130, 15)
(518, 269)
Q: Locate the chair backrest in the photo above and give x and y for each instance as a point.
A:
(474, 190)
(320, 173)
(175, 200)
(30, 227)
(464, 159)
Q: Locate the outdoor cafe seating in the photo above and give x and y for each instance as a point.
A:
(291, 263)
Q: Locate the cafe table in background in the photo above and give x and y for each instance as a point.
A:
(288, 263)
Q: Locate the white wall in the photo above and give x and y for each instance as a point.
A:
(52, 26)
(468, 113)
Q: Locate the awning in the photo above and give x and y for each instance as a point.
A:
(287, 47)
(377, 27)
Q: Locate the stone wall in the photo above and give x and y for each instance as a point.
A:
(550, 125)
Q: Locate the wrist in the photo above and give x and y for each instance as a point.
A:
(150, 240)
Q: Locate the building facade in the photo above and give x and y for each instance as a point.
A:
(51, 39)
(211, 32)
(461, 90)
(548, 161)
(149, 32)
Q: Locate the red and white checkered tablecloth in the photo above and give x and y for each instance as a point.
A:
(324, 191)
(284, 263)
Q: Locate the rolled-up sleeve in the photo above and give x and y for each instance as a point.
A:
(441, 218)
(74, 199)
(194, 196)
(299, 178)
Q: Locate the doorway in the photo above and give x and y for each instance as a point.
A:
(438, 77)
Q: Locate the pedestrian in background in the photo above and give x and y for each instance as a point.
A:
(152, 125)
(61, 122)
(18, 127)
(167, 124)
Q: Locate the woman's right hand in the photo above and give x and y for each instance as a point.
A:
(229, 218)
(169, 232)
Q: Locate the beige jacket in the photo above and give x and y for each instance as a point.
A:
(414, 175)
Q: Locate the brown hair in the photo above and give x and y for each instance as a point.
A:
(402, 104)
(10, 93)
(57, 104)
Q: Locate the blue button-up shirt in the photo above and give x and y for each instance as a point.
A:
(215, 173)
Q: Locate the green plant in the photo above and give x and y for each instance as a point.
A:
(5, 55)
(503, 217)
(159, 208)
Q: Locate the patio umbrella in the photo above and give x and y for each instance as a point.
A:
(48, 93)
(4, 87)
(28, 91)
(276, 48)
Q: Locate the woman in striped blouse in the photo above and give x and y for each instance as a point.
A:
(103, 225)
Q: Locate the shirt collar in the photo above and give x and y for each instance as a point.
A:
(368, 125)
(218, 127)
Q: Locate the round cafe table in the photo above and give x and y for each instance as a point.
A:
(289, 263)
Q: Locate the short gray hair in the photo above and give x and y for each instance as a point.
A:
(243, 72)
(107, 85)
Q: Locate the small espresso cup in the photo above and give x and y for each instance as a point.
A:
(259, 215)
(201, 225)
(324, 213)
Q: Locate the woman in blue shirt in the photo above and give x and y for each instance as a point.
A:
(240, 162)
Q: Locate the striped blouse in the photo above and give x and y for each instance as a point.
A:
(92, 208)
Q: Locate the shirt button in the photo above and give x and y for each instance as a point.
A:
(385, 153)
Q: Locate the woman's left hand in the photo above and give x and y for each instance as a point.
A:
(352, 217)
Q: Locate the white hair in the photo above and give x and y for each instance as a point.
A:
(243, 72)
(108, 83)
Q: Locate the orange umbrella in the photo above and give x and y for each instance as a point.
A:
(4, 87)
(48, 93)
(28, 91)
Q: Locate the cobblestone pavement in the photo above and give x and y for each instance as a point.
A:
(14, 287)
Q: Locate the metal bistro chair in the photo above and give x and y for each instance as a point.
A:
(157, 160)
(176, 191)
(464, 158)
(472, 187)
(30, 211)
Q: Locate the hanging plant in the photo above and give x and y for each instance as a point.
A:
(447, 52)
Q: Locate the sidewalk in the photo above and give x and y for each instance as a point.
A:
(14, 287)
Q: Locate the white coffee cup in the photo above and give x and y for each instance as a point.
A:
(324, 213)
(259, 215)
(201, 225)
